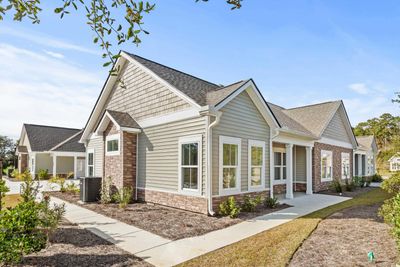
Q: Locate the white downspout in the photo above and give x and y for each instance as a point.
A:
(137, 168)
(209, 157)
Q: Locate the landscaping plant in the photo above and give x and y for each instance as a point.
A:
(29, 188)
(336, 186)
(43, 174)
(123, 197)
(3, 190)
(358, 181)
(271, 202)
(59, 181)
(250, 204)
(72, 188)
(105, 191)
(349, 185)
(376, 178)
(229, 208)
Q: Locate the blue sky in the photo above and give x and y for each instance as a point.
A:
(298, 52)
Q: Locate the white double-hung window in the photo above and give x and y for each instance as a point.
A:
(229, 164)
(256, 174)
(345, 165)
(326, 165)
(190, 164)
(112, 145)
(279, 165)
(90, 163)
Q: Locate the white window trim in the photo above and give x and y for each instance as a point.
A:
(189, 140)
(111, 138)
(280, 150)
(233, 141)
(87, 161)
(341, 165)
(256, 143)
(330, 178)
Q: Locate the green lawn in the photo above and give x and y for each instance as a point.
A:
(276, 247)
(11, 200)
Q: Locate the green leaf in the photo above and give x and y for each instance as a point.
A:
(107, 64)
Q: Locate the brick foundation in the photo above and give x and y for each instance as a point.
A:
(239, 198)
(190, 203)
(22, 163)
(336, 164)
(297, 187)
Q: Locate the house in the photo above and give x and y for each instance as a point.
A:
(365, 156)
(51, 148)
(184, 142)
(394, 163)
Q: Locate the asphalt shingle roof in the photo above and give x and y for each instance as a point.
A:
(72, 145)
(44, 138)
(365, 141)
(123, 119)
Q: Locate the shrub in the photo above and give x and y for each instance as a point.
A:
(349, 185)
(105, 191)
(3, 190)
(16, 174)
(72, 188)
(229, 208)
(123, 197)
(392, 185)
(390, 211)
(250, 204)
(271, 202)
(29, 188)
(59, 181)
(70, 175)
(43, 174)
(358, 181)
(376, 178)
(336, 186)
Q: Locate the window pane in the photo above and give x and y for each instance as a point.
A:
(284, 173)
(193, 153)
(277, 158)
(329, 172)
(186, 177)
(226, 154)
(323, 172)
(112, 145)
(193, 178)
(229, 178)
(185, 154)
(90, 159)
(90, 174)
(234, 149)
(284, 159)
(255, 176)
(277, 173)
(256, 156)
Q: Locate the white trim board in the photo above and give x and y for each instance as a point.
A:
(333, 142)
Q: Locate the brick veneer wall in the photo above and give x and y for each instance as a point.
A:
(190, 203)
(239, 198)
(336, 164)
(129, 159)
(113, 164)
(23, 162)
(297, 187)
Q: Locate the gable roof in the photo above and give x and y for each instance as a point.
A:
(123, 119)
(72, 144)
(395, 156)
(44, 138)
(366, 142)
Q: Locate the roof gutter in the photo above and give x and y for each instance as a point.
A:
(207, 111)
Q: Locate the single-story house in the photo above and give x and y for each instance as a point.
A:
(184, 142)
(394, 163)
(51, 148)
(365, 156)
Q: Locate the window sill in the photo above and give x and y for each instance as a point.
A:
(113, 153)
(190, 192)
(326, 180)
(257, 188)
(227, 192)
(277, 182)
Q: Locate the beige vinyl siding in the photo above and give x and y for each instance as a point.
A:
(158, 153)
(241, 119)
(336, 128)
(300, 167)
(65, 165)
(143, 96)
(97, 145)
(44, 162)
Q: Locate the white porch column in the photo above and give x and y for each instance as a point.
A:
(75, 167)
(54, 165)
(354, 164)
(289, 170)
(359, 173)
(272, 169)
(309, 189)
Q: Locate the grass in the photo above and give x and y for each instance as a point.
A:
(276, 247)
(11, 201)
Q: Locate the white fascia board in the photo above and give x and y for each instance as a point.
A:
(257, 99)
(66, 154)
(172, 117)
(334, 142)
(163, 82)
(286, 139)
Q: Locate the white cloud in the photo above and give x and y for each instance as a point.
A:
(359, 88)
(54, 54)
(38, 88)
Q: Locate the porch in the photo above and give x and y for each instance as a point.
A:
(291, 169)
(364, 164)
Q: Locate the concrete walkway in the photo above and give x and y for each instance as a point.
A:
(163, 252)
(45, 185)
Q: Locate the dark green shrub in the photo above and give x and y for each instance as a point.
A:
(336, 186)
(123, 197)
(392, 185)
(29, 188)
(250, 204)
(390, 211)
(349, 185)
(271, 202)
(376, 178)
(358, 181)
(229, 208)
(43, 174)
(3, 190)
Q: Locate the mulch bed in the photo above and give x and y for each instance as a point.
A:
(346, 237)
(167, 222)
(345, 193)
(73, 246)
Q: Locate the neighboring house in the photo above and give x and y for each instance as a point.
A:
(187, 143)
(394, 163)
(51, 148)
(365, 156)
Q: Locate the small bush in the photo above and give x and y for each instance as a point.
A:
(392, 185)
(29, 188)
(390, 211)
(72, 188)
(271, 202)
(123, 197)
(336, 186)
(59, 181)
(358, 181)
(16, 174)
(376, 178)
(3, 190)
(250, 204)
(349, 185)
(105, 191)
(70, 175)
(43, 174)
(229, 208)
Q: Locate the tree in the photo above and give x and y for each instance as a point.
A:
(7, 150)
(397, 98)
(100, 16)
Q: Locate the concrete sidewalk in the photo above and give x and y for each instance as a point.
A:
(163, 252)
